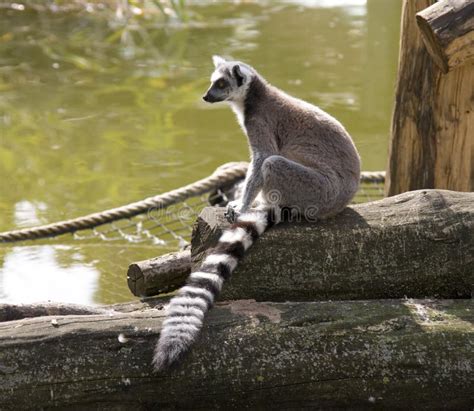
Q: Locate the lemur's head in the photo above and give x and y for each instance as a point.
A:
(229, 81)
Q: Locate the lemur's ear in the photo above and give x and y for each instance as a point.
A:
(218, 60)
(237, 73)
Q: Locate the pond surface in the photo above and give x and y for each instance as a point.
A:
(97, 113)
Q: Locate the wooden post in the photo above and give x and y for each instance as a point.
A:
(433, 122)
(447, 28)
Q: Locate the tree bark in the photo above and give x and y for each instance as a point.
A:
(447, 28)
(10, 312)
(322, 355)
(415, 244)
(168, 272)
(160, 274)
(431, 142)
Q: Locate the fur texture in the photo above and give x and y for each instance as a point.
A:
(186, 311)
(302, 159)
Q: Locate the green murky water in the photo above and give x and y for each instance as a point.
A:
(93, 116)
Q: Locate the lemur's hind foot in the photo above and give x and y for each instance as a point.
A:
(232, 212)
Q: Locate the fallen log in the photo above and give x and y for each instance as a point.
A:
(321, 355)
(447, 28)
(160, 274)
(168, 272)
(10, 312)
(417, 244)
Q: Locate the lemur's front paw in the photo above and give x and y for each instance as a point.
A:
(233, 210)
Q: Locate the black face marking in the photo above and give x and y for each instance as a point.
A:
(239, 77)
(217, 92)
(221, 84)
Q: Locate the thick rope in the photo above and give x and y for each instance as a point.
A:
(225, 174)
(376, 177)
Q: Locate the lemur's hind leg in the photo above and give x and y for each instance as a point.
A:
(290, 184)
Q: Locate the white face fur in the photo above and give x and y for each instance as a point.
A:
(229, 81)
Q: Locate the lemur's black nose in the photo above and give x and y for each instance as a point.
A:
(205, 97)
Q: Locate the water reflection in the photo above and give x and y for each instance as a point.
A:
(94, 115)
(27, 214)
(34, 274)
(351, 6)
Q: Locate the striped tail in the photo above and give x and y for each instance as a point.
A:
(186, 311)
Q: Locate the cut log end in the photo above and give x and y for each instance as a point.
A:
(447, 29)
(160, 274)
(135, 280)
(432, 45)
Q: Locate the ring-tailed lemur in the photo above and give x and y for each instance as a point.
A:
(301, 158)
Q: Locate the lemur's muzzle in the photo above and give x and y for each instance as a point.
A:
(212, 95)
(210, 98)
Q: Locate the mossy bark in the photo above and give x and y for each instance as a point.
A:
(393, 354)
(416, 244)
(160, 274)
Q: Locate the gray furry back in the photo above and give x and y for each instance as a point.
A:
(315, 157)
(301, 158)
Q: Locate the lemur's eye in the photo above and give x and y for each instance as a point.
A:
(221, 83)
